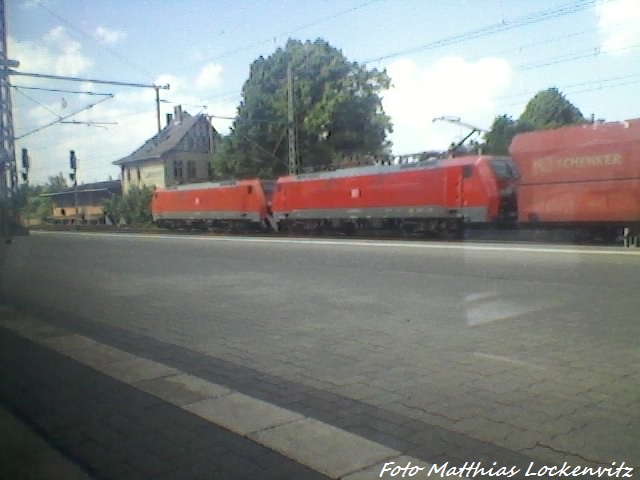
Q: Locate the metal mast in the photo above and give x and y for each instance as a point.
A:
(293, 153)
(8, 171)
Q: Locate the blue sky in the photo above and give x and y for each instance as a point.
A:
(473, 59)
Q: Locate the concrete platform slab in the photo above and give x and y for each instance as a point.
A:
(242, 414)
(324, 448)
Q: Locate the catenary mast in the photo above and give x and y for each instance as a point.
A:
(8, 171)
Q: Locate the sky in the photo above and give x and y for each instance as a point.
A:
(471, 59)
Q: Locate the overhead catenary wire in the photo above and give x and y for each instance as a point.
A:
(58, 90)
(525, 20)
(71, 25)
(59, 120)
(269, 40)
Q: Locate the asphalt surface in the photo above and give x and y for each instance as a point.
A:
(441, 352)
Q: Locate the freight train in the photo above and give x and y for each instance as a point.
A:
(584, 177)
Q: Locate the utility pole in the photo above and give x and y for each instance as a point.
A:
(8, 168)
(157, 88)
(293, 154)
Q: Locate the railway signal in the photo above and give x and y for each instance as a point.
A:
(25, 165)
(73, 165)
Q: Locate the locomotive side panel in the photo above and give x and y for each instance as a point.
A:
(607, 201)
(232, 201)
(408, 193)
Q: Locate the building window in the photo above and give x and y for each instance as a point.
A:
(177, 170)
(128, 174)
(138, 173)
(191, 169)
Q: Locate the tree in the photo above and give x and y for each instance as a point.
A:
(546, 109)
(550, 109)
(338, 112)
(503, 129)
(55, 184)
(32, 205)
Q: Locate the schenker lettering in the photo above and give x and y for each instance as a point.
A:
(547, 164)
(478, 470)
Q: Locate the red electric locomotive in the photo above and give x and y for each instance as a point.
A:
(431, 197)
(229, 205)
(586, 177)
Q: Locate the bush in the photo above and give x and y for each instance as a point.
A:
(133, 208)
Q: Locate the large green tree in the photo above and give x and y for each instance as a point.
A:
(338, 112)
(546, 109)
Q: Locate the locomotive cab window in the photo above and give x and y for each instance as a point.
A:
(467, 171)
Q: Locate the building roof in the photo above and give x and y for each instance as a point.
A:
(163, 142)
(112, 186)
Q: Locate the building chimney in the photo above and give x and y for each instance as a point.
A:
(178, 113)
(169, 117)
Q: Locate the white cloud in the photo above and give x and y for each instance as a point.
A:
(619, 25)
(210, 77)
(109, 37)
(175, 83)
(451, 86)
(56, 53)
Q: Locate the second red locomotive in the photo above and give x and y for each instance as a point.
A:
(434, 196)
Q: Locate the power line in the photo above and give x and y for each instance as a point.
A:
(60, 119)
(581, 87)
(90, 80)
(519, 22)
(117, 55)
(295, 29)
(36, 101)
(57, 90)
(572, 56)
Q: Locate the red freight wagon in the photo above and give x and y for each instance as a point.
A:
(241, 202)
(430, 196)
(586, 175)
